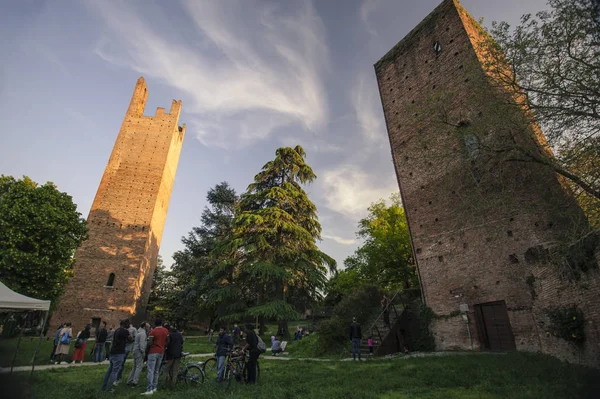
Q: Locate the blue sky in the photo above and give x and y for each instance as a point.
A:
(253, 76)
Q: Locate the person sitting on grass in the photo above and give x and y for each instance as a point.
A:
(275, 346)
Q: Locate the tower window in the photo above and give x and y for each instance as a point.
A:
(437, 48)
(111, 280)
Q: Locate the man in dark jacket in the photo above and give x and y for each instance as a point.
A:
(173, 354)
(252, 347)
(223, 345)
(355, 337)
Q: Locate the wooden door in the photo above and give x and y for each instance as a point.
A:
(493, 325)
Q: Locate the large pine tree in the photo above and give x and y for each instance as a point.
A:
(274, 250)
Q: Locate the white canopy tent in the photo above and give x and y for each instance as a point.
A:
(10, 300)
(13, 301)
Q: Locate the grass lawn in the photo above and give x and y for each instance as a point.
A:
(28, 344)
(514, 375)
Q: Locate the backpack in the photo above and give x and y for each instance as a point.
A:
(262, 348)
(65, 339)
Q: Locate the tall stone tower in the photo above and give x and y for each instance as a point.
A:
(485, 221)
(114, 267)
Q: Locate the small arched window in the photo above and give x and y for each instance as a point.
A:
(111, 280)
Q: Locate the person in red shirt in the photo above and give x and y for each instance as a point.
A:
(158, 339)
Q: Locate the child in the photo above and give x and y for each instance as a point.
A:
(370, 344)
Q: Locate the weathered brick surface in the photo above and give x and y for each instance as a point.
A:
(473, 216)
(126, 220)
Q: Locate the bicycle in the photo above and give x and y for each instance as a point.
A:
(189, 373)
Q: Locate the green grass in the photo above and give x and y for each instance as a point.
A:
(515, 375)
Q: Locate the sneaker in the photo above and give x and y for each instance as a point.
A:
(116, 383)
(148, 393)
(154, 390)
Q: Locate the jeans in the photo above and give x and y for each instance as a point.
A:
(107, 349)
(220, 367)
(116, 362)
(123, 366)
(153, 363)
(98, 352)
(251, 365)
(138, 363)
(355, 348)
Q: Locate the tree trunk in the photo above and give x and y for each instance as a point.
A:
(283, 330)
(261, 323)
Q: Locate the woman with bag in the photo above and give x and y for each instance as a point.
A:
(64, 343)
(81, 343)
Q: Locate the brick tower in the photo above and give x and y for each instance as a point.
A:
(483, 226)
(114, 267)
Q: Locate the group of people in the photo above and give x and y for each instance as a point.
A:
(224, 344)
(149, 345)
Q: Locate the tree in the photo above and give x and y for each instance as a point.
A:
(385, 258)
(274, 251)
(551, 64)
(40, 229)
(194, 271)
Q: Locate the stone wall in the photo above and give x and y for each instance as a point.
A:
(126, 219)
(476, 212)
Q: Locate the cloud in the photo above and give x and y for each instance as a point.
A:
(350, 190)
(247, 68)
(366, 8)
(339, 240)
(367, 106)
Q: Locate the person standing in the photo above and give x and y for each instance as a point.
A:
(117, 354)
(81, 343)
(355, 337)
(139, 351)
(55, 343)
(157, 341)
(108, 343)
(64, 343)
(370, 344)
(254, 353)
(236, 334)
(173, 354)
(131, 330)
(223, 344)
(101, 335)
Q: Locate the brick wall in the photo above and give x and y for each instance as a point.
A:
(126, 219)
(473, 212)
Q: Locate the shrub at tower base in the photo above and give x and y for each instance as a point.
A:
(40, 229)
(334, 335)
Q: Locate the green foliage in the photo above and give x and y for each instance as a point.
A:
(40, 229)
(187, 292)
(385, 258)
(567, 323)
(550, 61)
(426, 341)
(334, 333)
(272, 256)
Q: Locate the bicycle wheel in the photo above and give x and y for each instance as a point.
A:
(228, 375)
(210, 369)
(193, 375)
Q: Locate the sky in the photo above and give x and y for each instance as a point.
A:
(252, 75)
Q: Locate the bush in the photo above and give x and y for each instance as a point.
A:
(333, 334)
(426, 342)
(567, 323)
